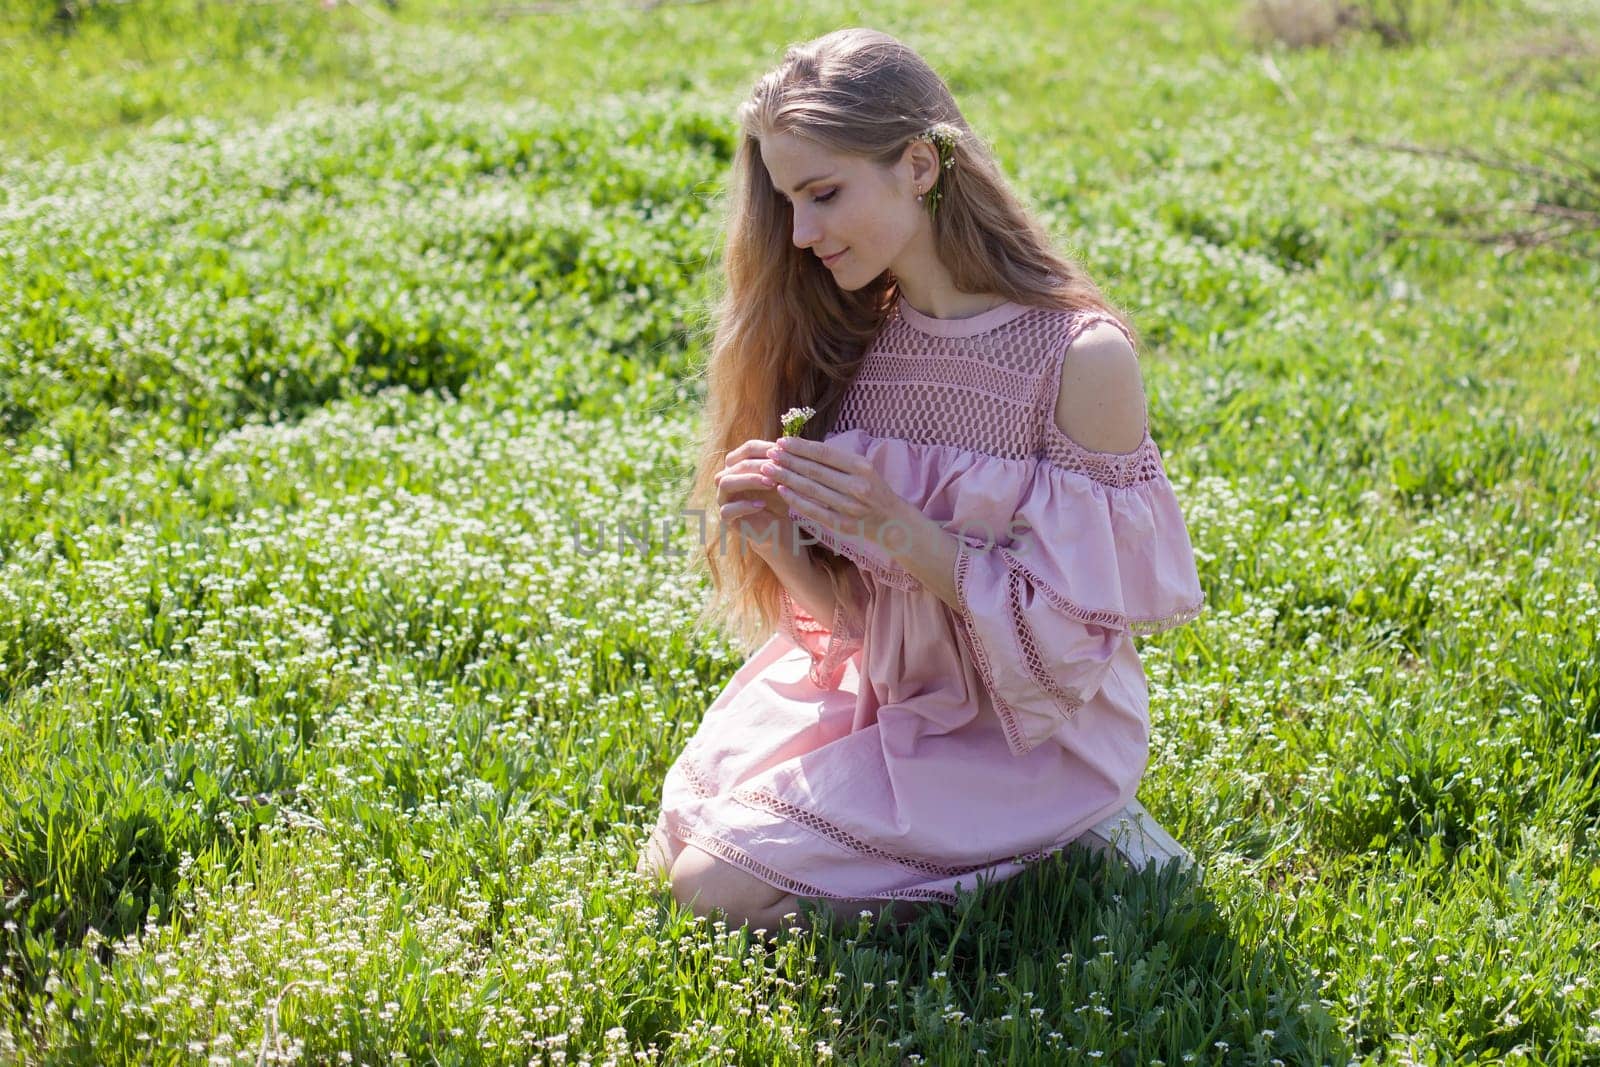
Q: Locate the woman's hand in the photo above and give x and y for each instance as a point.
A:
(842, 491)
(747, 499)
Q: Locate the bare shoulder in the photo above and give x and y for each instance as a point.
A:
(1101, 405)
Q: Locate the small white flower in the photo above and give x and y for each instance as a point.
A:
(794, 420)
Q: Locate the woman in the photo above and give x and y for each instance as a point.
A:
(957, 549)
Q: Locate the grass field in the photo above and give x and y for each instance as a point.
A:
(337, 347)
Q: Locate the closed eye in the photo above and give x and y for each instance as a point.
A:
(815, 200)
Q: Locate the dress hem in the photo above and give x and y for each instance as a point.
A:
(750, 865)
(769, 803)
(983, 876)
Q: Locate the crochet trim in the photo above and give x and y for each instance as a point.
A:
(827, 668)
(699, 783)
(1114, 470)
(739, 857)
(742, 859)
(765, 800)
(1066, 703)
(884, 573)
(955, 370)
(1144, 627)
(1114, 620)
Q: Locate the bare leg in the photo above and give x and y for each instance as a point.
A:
(842, 915)
(655, 859)
(706, 884)
(772, 918)
(762, 906)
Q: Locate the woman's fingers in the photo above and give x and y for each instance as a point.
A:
(742, 488)
(744, 485)
(740, 465)
(817, 472)
(793, 487)
(820, 453)
(743, 466)
(738, 509)
(745, 474)
(748, 450)
(810, 507)
(735, 484)
(817, 480)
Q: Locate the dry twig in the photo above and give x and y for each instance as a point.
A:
(1568, 221)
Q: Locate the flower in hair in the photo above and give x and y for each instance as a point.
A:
(943, 136)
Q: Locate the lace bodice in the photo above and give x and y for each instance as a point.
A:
(987, 383)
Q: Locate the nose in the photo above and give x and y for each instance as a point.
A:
(806, 232)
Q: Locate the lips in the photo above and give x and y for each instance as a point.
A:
(828, 261)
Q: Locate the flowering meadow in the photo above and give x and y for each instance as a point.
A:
(346, 627)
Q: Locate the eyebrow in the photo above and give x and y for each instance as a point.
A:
(807, 182)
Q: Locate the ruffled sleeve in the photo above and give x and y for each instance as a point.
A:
(1097, 549)
(829, 646)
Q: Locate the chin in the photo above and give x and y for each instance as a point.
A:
(849, 282)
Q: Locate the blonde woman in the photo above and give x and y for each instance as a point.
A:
(945, 569)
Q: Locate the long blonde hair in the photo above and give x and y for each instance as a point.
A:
(783, 334)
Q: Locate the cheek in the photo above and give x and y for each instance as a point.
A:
(876, 230)
(887, 235)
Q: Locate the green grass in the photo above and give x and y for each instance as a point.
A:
(330, 347)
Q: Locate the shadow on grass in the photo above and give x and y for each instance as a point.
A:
(1079, 955)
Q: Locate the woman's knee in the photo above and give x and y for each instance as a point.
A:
(842, 915)
(703, 883)
(655, 859)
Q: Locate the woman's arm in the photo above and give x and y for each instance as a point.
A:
(929, 553)
(807, 582)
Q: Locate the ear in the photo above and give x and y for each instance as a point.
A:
(923, 160)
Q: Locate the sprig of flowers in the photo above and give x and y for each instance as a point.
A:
(795, 419)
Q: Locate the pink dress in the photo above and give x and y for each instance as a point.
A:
(932, 748)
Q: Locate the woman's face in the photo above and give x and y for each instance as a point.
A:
(846, 204)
